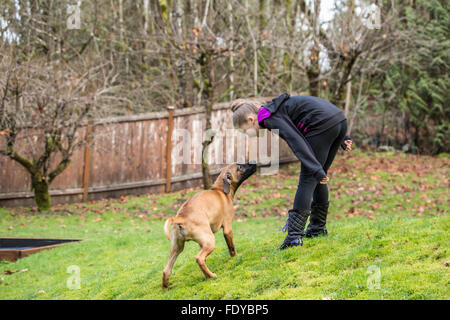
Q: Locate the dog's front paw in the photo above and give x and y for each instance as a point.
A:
(213, 275)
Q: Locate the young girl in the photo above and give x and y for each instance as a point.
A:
(314, 129)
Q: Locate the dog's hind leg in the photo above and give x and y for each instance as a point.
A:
(207, 243)
(177, 246)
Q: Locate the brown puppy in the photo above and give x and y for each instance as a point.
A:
(204, 214)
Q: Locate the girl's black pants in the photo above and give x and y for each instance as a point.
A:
(325, 146)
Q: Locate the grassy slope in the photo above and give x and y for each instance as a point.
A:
(387, 211)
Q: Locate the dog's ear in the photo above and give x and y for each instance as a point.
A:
(226, 182)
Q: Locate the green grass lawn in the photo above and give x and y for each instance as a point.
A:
(388, 221)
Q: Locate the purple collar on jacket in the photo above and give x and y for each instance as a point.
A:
(263, 113)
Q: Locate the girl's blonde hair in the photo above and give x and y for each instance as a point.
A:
(242, 108)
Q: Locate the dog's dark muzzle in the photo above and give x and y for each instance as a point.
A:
(248, 168)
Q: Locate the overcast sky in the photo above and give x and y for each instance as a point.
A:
(326, 10)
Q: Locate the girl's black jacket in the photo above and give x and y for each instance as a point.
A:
(298, 117)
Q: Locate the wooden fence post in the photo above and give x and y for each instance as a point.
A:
(87, 159)
(169, 149)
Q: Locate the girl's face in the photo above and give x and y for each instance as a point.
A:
(251, 127)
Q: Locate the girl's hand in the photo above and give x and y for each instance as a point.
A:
(348, 144)
(324, 180)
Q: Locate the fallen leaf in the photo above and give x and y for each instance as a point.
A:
(4, 132)
(8, 271)
(41, 291)
(376, 206)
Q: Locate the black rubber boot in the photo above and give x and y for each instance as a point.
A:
(317, 220)
(295, 226)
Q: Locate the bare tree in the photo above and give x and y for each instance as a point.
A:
(42, 107)
(354, 47)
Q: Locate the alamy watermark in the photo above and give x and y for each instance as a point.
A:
(74, 281)
(73, 16)
(374, 278)
(370, 14)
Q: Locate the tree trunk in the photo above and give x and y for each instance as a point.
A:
(41, 194)
(207, 73)
(255, 51)
(313, 72)
(348, 96)
(339, 92)
(206, 175)
(231, 62)
(261, 14)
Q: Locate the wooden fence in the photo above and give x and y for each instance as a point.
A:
(129, 155)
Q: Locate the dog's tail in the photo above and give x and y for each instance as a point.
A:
(169, 222)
